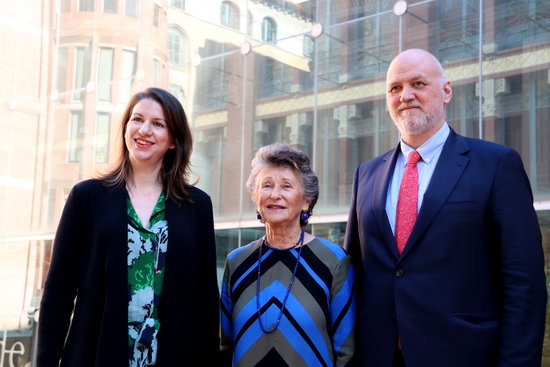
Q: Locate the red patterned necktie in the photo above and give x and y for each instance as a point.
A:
(407, 202)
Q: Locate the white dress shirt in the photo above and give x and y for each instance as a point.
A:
(430, 152)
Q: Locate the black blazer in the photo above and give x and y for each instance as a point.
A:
(88, 280)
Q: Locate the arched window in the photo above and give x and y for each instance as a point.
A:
(176, 47)
(269, 30)
(229, 15)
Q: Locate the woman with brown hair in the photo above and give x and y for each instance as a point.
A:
(134, 260)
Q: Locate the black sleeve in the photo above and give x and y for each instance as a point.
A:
(208, 319)
(62, 280)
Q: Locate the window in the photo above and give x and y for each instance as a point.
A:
(76, 134)
(127, 70)
(105, 74)
(130, 8)
(176, 47)
(157, 15)
(180, 4)
(82, 72)
(62, 56)
(86, 5)
(101, 154)
(156, 73)
(229, 15)
(109, 6)
(269, 30)
(178, 92)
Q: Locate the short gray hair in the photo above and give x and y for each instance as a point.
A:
(284, 155)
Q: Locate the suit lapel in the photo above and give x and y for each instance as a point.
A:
(380, 194)
(449, 169)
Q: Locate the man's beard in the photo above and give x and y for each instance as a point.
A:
(418, 124)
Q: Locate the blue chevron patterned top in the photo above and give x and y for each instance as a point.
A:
(317, 327)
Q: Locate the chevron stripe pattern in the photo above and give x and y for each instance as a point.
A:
(317, 327)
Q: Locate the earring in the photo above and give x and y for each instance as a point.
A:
(305, 216)
(259, 216)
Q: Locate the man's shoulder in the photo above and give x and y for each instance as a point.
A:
(476, 145)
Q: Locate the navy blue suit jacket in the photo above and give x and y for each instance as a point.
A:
(469, 288)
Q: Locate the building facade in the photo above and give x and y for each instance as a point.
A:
(310, 73)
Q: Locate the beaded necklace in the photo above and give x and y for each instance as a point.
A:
(258, 287)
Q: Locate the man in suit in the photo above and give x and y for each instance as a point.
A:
(448, 249)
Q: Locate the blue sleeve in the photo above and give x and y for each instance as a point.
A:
(226, 318)
(523, 283)
(342, 312)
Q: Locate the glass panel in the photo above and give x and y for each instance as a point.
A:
(229, 15)
(249, 235)
(21, 274)
(82, 72)
(105, 74)
(219, 138)
(269, 30)
(157, 16)
(102, 138)
(62, 60)
(281, 8)
(541, 150)
(76, 137)
(226, 241)
(109, 6)
(334, 232)
(130, 8)
(178, 3)
(518, 23)
(178, 92)
(325, 95)
(513, 114)
(458, 29)
(157, 73)
(86, 5)
(127, 70)
(176, 47)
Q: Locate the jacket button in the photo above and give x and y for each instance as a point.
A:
(399, 273)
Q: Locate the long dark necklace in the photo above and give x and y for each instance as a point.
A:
(258, 287)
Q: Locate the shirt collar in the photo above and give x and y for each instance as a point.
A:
(430, 148)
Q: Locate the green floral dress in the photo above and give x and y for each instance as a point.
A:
(146, 263)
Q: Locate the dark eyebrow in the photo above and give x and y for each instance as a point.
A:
(154, 118)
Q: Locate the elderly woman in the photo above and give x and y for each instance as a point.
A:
(288, 297)
(132, 281)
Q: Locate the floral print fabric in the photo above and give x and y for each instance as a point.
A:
(146, 263)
